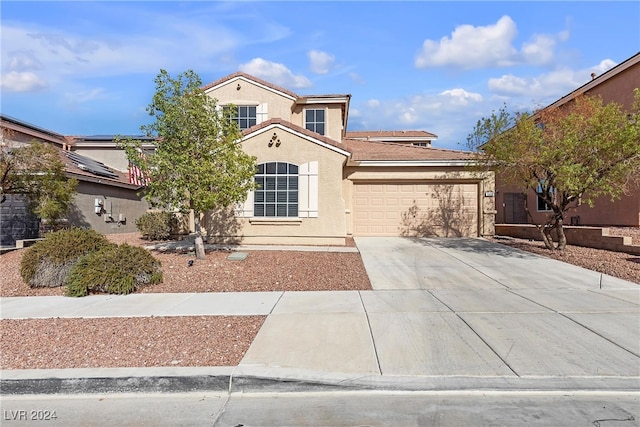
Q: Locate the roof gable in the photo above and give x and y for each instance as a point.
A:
(303, 133)
(240, 76)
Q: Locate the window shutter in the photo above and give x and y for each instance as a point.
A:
(308, 188)
(261, 113)
(245, 210)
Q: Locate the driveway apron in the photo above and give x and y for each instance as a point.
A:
(458, 308)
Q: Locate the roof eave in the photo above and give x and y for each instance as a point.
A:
(412, 163)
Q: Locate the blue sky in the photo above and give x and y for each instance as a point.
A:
(87, 68)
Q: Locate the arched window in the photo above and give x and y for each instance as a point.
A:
(276, 194)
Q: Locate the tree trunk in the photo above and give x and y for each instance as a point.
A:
(545, 231)
(562, 238)
(199, 244)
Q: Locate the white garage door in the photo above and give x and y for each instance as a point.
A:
(415, 209)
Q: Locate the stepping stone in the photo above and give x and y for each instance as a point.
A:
(237, 256)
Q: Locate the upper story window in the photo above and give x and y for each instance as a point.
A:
(277, 192)
(246, 116)
(314, 120)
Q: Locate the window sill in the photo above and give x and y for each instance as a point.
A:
(275, 221)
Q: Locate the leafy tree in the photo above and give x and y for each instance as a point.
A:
(568, 155)
(36, 171)
(198, 164)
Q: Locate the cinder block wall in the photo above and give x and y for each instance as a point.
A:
(590, 237)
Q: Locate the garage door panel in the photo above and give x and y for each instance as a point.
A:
(415, 209)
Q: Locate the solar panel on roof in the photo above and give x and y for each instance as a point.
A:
(90, 165)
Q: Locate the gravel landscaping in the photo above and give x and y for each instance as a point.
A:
(212, 340)
(618, 264)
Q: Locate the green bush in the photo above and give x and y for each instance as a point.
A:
(49, 261)
(114, 270)
(157, 225)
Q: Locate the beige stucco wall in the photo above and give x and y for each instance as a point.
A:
(121, 201)
(278, 106)
(435, 175)
(327, 228)
(113, 157)
(333, 118)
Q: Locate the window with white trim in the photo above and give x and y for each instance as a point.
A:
(276, 194)
(245, 116)
(314, 120)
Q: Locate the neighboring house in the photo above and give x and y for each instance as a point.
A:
(418, 138)
(105, 199)
(615, 85)
(319, 184)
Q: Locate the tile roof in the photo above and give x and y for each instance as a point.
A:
(121, 181)
(390, 134)
(295, 128)
(387, 151)
(371, 150)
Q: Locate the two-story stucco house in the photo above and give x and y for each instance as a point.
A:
(319, 184)
(615, 85)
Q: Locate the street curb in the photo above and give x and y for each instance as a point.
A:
(223, 381)
(115, 385)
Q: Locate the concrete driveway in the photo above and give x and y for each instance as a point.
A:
(459, 313)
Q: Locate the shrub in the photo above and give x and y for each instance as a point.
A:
(49, 262)
(114, 270)
(157, 225)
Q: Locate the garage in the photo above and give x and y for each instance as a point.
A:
(415, 209)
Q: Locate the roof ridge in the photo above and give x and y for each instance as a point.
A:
(408, 146)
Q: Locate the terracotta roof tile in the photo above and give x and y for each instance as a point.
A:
(372, 150)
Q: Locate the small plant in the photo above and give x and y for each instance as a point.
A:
(157, 225)
(49, 262)
(115, 270)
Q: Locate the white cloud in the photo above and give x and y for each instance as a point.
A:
(26, 81)
(449, 114)
(539, 51)
(320, 62)
(472, 47)
(22, 60)
(61, 54)
(488, 46)
(461, 97)
(603, 66)
(547, 86)
(85, 96)
(275, 73)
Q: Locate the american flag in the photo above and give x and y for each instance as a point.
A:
(136, 175)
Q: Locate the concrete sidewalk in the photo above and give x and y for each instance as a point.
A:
(456, 314)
